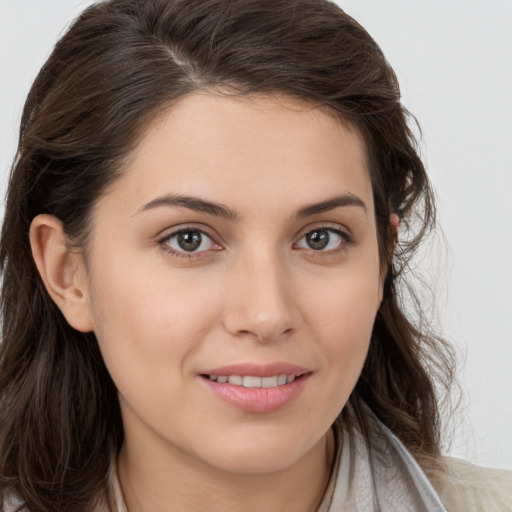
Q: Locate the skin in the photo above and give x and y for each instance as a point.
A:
(255, 291)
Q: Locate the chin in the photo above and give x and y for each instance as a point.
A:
(259, 456)
(260, 466)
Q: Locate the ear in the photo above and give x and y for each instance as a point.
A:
(63, 272)
(394, 224)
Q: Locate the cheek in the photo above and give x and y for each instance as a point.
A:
(343, 303)
(149, 297)
(341, 314)
(344, 327)
(148, 322)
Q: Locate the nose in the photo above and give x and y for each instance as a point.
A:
(260, 302)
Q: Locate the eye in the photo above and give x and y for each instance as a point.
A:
(322, 239)
(188, 241)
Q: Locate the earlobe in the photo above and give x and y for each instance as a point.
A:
(62, 271)
(394, 224)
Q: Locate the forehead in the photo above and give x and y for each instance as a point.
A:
(249, 150)
(259, 117)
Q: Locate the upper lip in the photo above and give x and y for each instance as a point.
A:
(258, 370)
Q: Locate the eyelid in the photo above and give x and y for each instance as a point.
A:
(346, 239)
(192, 226)
(329, 226)
(172, 232)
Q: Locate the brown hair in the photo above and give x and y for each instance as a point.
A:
(118, 66)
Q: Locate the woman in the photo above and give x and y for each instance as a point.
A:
(200, 270)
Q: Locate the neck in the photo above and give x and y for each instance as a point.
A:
(174, 481)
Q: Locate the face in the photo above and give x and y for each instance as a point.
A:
(239, 245)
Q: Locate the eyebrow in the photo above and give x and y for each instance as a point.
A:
(219, 210)
(192, 203)
(346, 199)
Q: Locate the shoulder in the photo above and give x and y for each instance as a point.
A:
(464, 487)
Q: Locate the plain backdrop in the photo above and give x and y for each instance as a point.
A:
(454, 62)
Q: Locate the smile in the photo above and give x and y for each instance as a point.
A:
(257, 394)
(249, 381)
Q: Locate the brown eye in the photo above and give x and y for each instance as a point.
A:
(322, 239)
(188, 241)
(318, 239)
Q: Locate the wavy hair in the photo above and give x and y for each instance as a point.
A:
(120, 64)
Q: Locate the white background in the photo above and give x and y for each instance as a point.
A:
(454, 62)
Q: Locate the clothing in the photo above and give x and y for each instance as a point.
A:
(468, 488)
(394, 482)
(388, 479)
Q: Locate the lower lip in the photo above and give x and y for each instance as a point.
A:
(261, 400)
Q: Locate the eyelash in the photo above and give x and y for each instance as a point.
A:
(164, 242)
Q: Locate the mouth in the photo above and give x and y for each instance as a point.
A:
(272, 388)
(251, 381)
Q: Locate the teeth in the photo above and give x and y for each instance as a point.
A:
(251, 382)
(236, 380)
(269, 382)
(248, 381)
